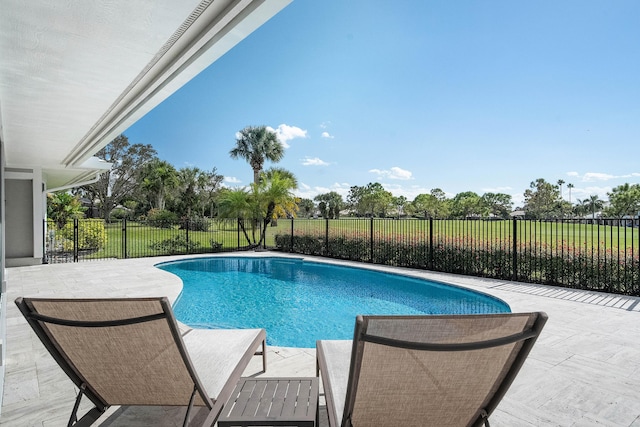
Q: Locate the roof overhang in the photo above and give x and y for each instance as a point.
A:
(74, 76)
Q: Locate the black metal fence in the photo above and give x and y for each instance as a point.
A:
(91, 239)
(598, 255)
(601, 254)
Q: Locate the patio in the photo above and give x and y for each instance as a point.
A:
(583, 371)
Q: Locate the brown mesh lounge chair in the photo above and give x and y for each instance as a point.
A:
(131, 352)
(424, 370)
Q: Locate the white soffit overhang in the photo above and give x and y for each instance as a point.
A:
(75, 74)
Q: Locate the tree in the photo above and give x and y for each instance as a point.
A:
(593, 204)
(330, 204)
(189, 180)
(282, 173)
(124, 178)
(306, 206)
(376, 200)
(581, 208)
(354, 200)
(401, 203)
(287, 207)
(158, 178)
(62, 207)
(255, 145)
(560, 184)
(258, 206)
(542, 199)
(210, 186)
(274, 194)
(425, 204)
(569, 186)
(467, 204)
(624, 200)
(238, 204)
(499, 204)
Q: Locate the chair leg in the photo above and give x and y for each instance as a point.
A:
(264, 355)
(74, 414)
(485, 418)
(88, 418)
(193, 396)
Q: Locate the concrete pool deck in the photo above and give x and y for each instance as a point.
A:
(583, 371)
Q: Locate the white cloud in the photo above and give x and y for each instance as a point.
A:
(286, 133)
(599, 176)
(232, 180)
(315, 161)
(324, 125)
(394, 173)
(596, 176)
(327, 135)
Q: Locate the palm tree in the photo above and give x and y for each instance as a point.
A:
(188, 179)
(237, 203)
(256, 208)
(62, 207)
(290, 207)
(594, 203)
(569, 186)
(159, 177)
(282, 173)
(255, 145)
(560, 183)
(273, 194)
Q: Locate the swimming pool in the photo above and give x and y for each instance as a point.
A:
(300, 301)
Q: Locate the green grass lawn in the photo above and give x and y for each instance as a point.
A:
(528, 232)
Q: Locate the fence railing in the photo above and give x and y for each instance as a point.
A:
(601, 254)
(91, 239)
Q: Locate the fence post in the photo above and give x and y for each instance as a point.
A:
(291, 248)
(186, 231)
(371, 240)
(238, 227)
(430, 243)
(326, 236)
(514, 275)
(124, 238)
(45, 255)
(264, 236)
(75, 240)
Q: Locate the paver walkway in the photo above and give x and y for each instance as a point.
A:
(583, 371)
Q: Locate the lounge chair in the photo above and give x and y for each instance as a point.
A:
(424, 370)
(131, 352)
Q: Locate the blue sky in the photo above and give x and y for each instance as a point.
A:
(463, 96)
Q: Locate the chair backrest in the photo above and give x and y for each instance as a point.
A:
(435, 370)
(122, 351)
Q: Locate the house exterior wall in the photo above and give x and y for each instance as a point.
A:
(24, 210)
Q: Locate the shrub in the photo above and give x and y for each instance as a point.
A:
(161, 218)
(175, 245)
(569, 266)
(91, 235)
(195, 223)
(120, 214)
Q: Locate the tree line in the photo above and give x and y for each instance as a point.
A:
(142, 186)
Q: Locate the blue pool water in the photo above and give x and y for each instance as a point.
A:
(298, 301)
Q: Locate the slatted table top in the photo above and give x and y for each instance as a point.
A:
(272, 402)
